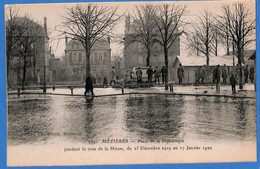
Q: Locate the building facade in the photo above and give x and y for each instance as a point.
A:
(75, 61)
(135, 53)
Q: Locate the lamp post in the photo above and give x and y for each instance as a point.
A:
(44, 78)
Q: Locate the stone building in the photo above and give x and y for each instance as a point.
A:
(135, 53)
(37, 57)
(75, 61)
(57, 70)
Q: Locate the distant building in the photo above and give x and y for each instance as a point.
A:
(37, 59)
(135, 53)
(57, 70)
(75, 61)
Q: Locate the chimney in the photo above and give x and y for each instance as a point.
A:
(45, 25)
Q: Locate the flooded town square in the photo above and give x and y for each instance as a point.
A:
(97, 83)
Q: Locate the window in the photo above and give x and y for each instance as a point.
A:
(80, 57)
(100, 56)
(105, 55)
(70, 58)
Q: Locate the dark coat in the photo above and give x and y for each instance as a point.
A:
(216, 74)
(88, 85)
(163, 71)
(224, 73)
(252, 71)
(180, 72)
(149, 72)
(232, 80)
(246, 71)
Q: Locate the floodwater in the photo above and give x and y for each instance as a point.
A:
(51, 119)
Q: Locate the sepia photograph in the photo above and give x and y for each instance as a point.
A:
(154, 82)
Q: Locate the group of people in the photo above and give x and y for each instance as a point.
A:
(200, 76)
(248, 73)
(150, 73)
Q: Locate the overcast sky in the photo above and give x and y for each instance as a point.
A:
(54, 13)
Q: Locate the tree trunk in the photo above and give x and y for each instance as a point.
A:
(207, 55)
(216, 46)
(148, 55)
(239, 56)
(7, 68)
(227, 45)
(87, 62)
(166, 67)
(24, 72)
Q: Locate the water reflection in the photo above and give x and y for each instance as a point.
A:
(79, 119)
(28, 121)
(154, 117)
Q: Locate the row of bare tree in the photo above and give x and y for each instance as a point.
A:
(233, 27)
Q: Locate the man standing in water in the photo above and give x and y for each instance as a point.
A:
(203, 74)
(89, 86)
(113, 76)
(180, 73)
(233, 83)
(246, 74)
(216, 78)
(139, 75)
(149, 73)
(224, 74)
(163, 71)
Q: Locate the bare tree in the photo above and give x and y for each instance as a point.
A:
(168, 19)
(90, 23)
(144, 29)
(11, 36)
(29, 33)
(216, 39)
(224, 37)
(241, 29)
(202, 38)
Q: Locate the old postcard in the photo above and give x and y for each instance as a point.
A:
(131, 83)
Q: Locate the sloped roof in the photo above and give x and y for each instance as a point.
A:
(201, 60)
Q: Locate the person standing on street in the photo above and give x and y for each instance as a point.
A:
(139, 75)
(246, 73)
(89, 86)
(203, 74)
(216, 77)
(105, 81)
(252, 74)
(149, 73)
(180, 73)
(113, 76)
(224, 74)
(157, 73)
(233, 83)
(163, 71)
(197, 75)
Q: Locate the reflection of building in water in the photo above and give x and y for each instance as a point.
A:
(75, 60)
(135, 53)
